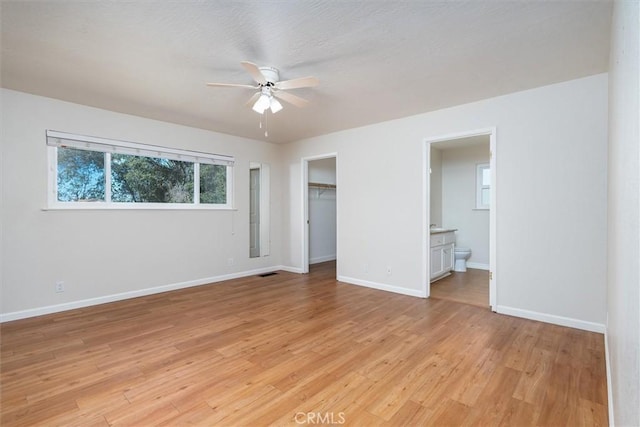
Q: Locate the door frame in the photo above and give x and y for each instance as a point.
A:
(305, 209)
(493, 212)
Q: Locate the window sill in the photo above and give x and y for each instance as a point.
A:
(135, 207)
(481, 209)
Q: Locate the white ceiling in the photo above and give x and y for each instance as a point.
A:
(376, 60)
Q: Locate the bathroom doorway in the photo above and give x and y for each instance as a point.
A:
(460, 211)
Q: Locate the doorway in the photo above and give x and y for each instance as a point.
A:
(460, 195)
(320, 207)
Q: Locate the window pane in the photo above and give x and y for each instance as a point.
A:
(80, 175)
(486, 196)
(213, 184)
(486, 176)
(139, 179)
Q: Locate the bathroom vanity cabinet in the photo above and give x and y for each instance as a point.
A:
(442, 253)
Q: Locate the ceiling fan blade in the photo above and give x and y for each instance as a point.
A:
(298, 83)
(253, 99)
(231, 85)
(254, 71)
(290, 98)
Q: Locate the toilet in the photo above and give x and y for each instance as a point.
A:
(461, 255)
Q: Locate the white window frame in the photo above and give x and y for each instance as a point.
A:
(480, 167)
(56, 139)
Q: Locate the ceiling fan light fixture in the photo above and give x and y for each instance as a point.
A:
(257, 109)
(275, 105)
(268, 82)
(262, 104)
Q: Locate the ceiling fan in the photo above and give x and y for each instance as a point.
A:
(270, 87)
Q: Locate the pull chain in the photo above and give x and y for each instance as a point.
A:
(266, 122)
(266, 131)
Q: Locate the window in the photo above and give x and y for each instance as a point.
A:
(80, 175)
(95, 172)
(483, 186)
(137, 179)
(213, 184)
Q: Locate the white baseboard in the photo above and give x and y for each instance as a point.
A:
(478, 265)
(320, 259)
(382, 287)
(553, 319)
(297, 270)
(40, 311)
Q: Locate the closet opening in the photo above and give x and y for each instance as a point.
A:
(320, 216)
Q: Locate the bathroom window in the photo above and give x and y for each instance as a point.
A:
(483, 186)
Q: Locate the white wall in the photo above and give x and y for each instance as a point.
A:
(540, 273)
(322, 211)
(100, 253)
(435, 196)
(623, 330)
(459, 201)
(323, 171)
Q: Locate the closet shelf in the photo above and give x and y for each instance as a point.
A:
(321, 185)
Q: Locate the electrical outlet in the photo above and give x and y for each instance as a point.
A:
(59, 286)
(388, 271)
(230, 262)
(366, 267)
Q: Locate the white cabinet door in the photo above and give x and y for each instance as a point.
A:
(436, 262)
(442, 253)
(447, 257)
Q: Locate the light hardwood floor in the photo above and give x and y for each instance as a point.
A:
(279, 349)
(470, 287)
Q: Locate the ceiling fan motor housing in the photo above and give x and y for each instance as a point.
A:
(271, 75)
